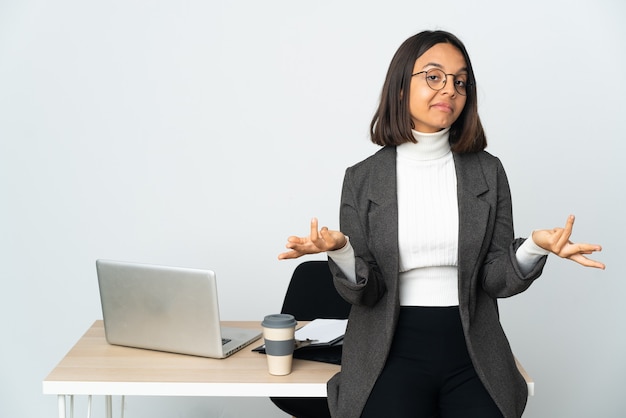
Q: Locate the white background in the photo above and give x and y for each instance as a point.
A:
(203, 133)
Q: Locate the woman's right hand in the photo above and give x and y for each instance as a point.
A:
(318, 241)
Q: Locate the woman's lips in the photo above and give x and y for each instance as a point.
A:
(444, 107)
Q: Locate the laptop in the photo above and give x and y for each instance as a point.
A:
(164, 308)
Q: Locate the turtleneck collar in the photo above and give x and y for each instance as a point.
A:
(429, 146)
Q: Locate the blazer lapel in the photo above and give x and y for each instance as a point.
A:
(473, 220)
(383, 209)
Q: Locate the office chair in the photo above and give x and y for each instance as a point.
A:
(311, 294)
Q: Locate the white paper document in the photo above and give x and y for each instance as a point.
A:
(323, 331)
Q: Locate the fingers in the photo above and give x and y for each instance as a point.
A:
(587, 248)
(329, 242)
(320, 237)
(293, 241)
(297, 248)
(566, 232)
(287, 255)
(587, 262)
(314, 234)
(577, 251)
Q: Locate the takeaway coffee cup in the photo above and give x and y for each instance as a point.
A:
(278, 332)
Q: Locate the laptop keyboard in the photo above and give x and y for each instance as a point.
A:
(225, 341)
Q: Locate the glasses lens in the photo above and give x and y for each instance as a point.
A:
(460, 84)
(436, 79)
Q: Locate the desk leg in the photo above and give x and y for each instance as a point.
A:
(61, 400)
(108, 400)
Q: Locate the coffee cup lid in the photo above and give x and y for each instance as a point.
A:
(279, 321)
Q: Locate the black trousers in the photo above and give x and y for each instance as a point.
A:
(303, 407)
(428, 373)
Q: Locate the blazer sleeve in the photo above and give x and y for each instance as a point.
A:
(501, 274)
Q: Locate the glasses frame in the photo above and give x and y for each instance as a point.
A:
(445, 80)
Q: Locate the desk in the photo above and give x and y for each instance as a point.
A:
(94, 367)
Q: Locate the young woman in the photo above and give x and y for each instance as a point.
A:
(426, 248)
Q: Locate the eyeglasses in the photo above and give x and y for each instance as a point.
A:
(436, 80)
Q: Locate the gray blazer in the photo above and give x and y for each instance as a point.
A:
(487, 270)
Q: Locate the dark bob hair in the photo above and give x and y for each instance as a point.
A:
(392, 122)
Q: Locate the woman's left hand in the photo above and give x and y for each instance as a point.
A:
(557, 241)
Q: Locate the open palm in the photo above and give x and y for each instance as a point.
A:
(557, 241)
(316, 242)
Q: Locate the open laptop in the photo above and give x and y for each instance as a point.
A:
(163, 308)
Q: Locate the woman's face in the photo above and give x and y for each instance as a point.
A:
(433, 110)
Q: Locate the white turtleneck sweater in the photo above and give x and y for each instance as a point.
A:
(428, 225)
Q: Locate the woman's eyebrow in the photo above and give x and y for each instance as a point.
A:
(435, 64)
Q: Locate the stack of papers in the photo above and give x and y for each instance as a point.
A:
(320, 332)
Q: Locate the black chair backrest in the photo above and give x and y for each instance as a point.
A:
(311, 294)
